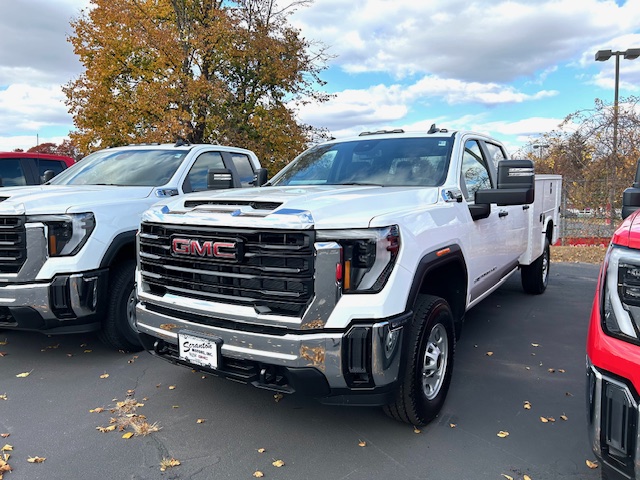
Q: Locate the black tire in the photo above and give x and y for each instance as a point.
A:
(430, 351)
(535, 277)
(117, 330)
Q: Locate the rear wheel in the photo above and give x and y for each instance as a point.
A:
(426, 380)
(535, 277)
(118, 327)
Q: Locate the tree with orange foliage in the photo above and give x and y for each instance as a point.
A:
(202, 70)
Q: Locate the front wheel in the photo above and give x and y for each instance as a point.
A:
(426, 380)
(535, 277)
(118, 330)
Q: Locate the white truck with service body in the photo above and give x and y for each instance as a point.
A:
(348, 275)
(67, 248)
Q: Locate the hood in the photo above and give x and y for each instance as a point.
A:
(301, 207)
(45, 199)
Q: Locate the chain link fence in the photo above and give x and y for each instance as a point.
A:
(583, 218)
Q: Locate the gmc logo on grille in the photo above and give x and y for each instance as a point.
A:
(228, 250)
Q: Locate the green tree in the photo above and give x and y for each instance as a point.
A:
(205, 71)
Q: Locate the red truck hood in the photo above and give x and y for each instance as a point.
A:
(628, 234)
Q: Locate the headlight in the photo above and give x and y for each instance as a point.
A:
(368, 256)
(66, 233)
(621, 294)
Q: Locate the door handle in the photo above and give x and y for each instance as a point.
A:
(502, 214)
(525, 207)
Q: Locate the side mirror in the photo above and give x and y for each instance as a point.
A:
(631, 196)
(516, 184)
(48, 175)
(260, 177)
(219, 178)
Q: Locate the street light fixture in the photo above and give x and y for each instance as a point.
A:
(603, 56)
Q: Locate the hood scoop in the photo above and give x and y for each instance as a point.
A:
(231, 203)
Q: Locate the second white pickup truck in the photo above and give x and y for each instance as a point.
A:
(347, 277)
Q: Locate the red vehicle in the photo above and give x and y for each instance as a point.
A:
(28, 168)
(613, 350)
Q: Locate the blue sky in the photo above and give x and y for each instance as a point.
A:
(512, 69)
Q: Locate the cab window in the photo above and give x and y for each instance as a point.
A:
(475, 171)
(196, 180)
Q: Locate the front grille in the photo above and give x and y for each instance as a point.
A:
(13, 243)
(271, 270)
(253, 204)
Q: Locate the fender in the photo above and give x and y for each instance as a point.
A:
(455, 292)
(121, 242)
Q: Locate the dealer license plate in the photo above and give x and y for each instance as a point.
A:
(199, 350)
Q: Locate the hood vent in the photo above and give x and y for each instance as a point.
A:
(230, 203)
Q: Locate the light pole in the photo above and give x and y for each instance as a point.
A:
(603, 56)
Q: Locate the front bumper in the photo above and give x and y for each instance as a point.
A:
(358, 366)
(71, 303)
(612, 417)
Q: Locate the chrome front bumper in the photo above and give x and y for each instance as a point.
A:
(368, 351)
(67, 304)
(612, 418)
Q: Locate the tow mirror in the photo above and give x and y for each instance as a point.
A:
(48, 175)
(260, 177)
(631, 196)
(219, 178)
(516, 184)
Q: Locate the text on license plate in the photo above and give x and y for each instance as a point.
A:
(198, 350)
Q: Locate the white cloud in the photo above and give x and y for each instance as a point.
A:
(489, 41)
(28, 108)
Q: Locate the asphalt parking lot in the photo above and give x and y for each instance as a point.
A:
(515, 348)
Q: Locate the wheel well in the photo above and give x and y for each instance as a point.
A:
(449, 282)
(549, 231)
(122, 248)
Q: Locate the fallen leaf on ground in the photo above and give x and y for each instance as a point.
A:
(4, 342)
(36, 459)
(25, 374)
(544, 420)
(4, 397)
(262, 450)
(278, 396)
(561, 370)
(96, 410)
(200, 420)
(568, 394)
(3, 354)
(535, 344)
(88, 351)
(104, 375)
(168, 463)
(502, 434)
(488, 354)
(527, 405)
(508, 477)
(416, 429)
(526, 477)
(452, 425)
(362, 443)
(6, 448)
(110, 428)
(172, 387)
(564, 417)
(591, 464)
(4, 435)
(258, 474)
(278, 463)
(127, 435)
(551, 370)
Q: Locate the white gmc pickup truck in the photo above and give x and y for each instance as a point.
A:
(348, 276)
(67, 248)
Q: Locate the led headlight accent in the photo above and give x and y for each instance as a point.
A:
(368, 256)
(66, 233)
(621, 305)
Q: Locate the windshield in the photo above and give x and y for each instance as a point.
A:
(133, 167)
(421, 161)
